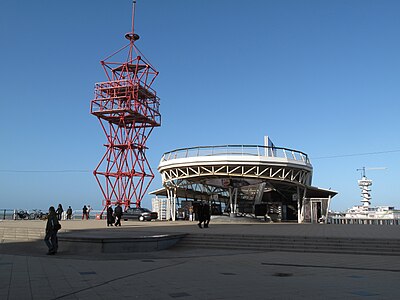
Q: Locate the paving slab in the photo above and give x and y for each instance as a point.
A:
(180, 273)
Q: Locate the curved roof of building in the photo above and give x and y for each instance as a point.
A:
(244, 165)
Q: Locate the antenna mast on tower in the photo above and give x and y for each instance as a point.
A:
(127, 108)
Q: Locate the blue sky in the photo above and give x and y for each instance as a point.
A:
(317, 76)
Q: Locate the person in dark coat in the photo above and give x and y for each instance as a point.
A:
(118, 215)
(110, 217)
(52, 228)
(59, 211)
(200, 216)
(85, 213)
(69, 213)
(206, 214)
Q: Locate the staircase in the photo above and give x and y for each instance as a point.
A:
(21, 234)
(293, 244)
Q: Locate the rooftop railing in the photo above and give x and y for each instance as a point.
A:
(237, 150)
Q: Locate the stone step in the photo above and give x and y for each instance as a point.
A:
(297, 244)
(299, 240)
(291, 244)
(269, 246)
(21, 234)
(305, 250)
(294, 238)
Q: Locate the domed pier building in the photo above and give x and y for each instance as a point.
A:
(267, 182)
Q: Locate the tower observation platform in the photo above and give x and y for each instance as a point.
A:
(243, 180)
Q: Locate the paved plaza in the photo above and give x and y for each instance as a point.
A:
(189, 273)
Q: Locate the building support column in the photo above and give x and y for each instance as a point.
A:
(298, 205)
(168, 208)
(327, 209)
(174, 205)
(235, 191)
(233, 202)
(171, 204)
(302, 205)
(230, 201)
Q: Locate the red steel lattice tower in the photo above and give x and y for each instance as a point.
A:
(128, 110)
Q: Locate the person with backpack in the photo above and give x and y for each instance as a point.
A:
(52, 227)
(69, 213)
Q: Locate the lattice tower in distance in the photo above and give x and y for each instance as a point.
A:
(127, 108)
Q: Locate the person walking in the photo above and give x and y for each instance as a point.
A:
(206, 214)
(85, 213)
(118, 214)
(89, 209)
(69, 213)
(110, 217)
(191, 213)
(52, 227)
(59, 212)
(200, 215)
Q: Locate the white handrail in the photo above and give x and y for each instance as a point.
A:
(248, 150)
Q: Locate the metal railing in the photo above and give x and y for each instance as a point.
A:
(12, 214)
(361, 221)
(237, 150)
(7, 214)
